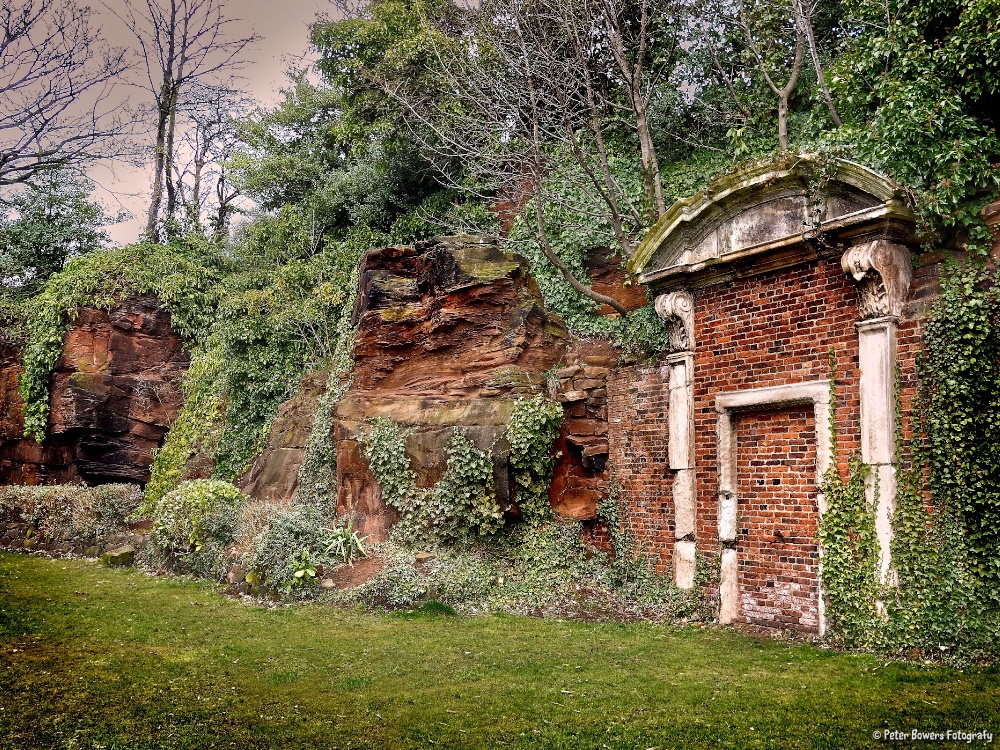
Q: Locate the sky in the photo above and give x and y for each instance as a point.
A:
(283, 28)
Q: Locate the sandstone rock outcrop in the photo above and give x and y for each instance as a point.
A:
(115, 391)
(274, 475)
(449, 334)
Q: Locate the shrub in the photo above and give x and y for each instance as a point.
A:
(291, 543)
(198, 512)
(76, 511)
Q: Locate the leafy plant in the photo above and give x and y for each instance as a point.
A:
(196, 513)
(76, 511)
(534, 426)
(345, 543)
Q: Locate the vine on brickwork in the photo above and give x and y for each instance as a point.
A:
(940, 597)
(847, 535)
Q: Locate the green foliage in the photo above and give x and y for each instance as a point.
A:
(195, 431)
(963, 411)
(534, 426)
(345, 543)
(941, 598)
(180, 275)
(197, 513)
(385, 451)
(850, 555)
(292, 542)
(920, 82)
(43, 227)
(79, 512)
(460, 505)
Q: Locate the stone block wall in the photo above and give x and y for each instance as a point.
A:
(17, 536)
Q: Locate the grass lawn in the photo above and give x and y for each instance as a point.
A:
(99, 658)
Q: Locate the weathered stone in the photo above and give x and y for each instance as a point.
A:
(571, 396)
(114, 393)
(449, 334)
(119, 557)
(237, 574)
(274, 475)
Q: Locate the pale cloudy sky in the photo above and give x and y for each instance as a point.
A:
(283, 28)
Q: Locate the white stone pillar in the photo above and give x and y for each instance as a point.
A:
(677, 312)
(882, 271)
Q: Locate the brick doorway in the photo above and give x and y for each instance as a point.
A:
(773, 449)
(777, 519)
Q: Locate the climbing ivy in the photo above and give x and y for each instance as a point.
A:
(462, 504)
(534, 425)
(850, 548)
(941, 596)
(961, 375)
(318, 471)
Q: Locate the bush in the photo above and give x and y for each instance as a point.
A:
(291, 543)
(76, 511)
(198, 512)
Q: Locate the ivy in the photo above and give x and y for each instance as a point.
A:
(460, 505)
(850, 548)
(534, 426)
(180, 275)
(941, 596)
(963, 411)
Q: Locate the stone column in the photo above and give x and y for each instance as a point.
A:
(882, 271)
(677, 312)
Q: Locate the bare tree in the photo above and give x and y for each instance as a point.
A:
(643, 41)
(181, 42)
(531, 93)
(209, 134)
(56, 83)
(805, 12)
(765, 37)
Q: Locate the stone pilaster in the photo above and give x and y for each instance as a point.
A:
(676, 310)
(882, 271)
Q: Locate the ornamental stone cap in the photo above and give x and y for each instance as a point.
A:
(769, 216)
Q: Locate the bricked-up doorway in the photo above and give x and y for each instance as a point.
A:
(773, 449)
(777, 519)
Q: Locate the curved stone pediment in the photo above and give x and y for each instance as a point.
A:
(769, 216)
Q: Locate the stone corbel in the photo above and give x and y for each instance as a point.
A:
(883, 271)
(676, 310)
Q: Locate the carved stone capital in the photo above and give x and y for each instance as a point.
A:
(676, 310)
(883, 271)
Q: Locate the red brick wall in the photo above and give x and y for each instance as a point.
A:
(776, 544)
(638, 409)
(773, 329)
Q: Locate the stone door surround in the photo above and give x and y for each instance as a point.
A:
(728, 406)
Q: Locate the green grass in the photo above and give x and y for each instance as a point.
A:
(98, 658)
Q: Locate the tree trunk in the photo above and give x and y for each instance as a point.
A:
(650, 164)
(783, 121)
(159, 162)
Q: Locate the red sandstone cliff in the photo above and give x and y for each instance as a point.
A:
(114, 393)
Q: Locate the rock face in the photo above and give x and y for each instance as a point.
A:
(274, 476)
(114, 393)
(581, 477)
(449, 334)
